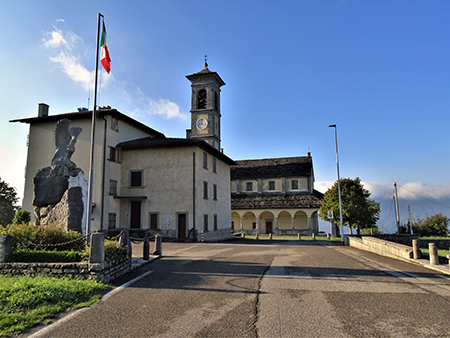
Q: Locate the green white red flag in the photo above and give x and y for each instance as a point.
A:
(106, 61)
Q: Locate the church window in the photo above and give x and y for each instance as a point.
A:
(216, 103)
(205, 223)
(205, 161)
(215, 222)
(249, 186)
(136, 178)
(205, 190)
(214, 163)
(271, 185)
(112, 187)
(112, 221)
(201, 99)
(215, 192)
(114, 123)
(294, 184)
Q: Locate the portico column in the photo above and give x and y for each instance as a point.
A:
(257, 225)
(276, 225)
(309, 225)
(241, 220)
(293, 223)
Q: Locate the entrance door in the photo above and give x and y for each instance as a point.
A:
(135, 215)
(181, 225)
(268, 227)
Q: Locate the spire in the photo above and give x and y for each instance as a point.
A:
(206, 63)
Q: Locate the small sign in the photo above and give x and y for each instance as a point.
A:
(330, 214)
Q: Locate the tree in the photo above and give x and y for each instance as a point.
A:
(8, 203)
(436, 225)
(22, 217)
(357, 209)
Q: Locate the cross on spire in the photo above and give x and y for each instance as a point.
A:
(206, 63)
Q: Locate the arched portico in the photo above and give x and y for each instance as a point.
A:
(278, 222)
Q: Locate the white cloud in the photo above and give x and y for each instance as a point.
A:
(167, 109)
(75, 70)
(55, 39)
(66, 43)
(408, 191)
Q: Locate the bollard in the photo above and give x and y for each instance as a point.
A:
(270, 236)
(158, 245)
(243, 235)
(328, 236)
(416, 250)
(146, 249)
(97, 251)
(434, 258)
(313, 236)
(203, 237)
(299, 237)
(257, 236)
(5, 248)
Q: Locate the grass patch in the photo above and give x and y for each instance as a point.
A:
(441, 252)
(27, 301)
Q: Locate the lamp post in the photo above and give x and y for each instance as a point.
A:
(339, 182)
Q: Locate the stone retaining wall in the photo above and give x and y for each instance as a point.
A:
(380, 247)
(102, 272)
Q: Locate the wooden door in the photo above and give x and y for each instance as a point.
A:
(181, 225)
(135, 215)
(268, 227)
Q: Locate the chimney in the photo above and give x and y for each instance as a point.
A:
(43, 110)
(188, 133)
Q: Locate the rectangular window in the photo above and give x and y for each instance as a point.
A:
(136, 178)
(153, 220)
(294, 184)
(215, 192)
(112, 156)
(271, 185)
(215, 222)
(205, 223)
(114, 123)
(249, 186)
(205, 161)
(205, 190)
(111, 221)
(112, 187)
(214, 165)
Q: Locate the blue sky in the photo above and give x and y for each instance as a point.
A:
(377, 69)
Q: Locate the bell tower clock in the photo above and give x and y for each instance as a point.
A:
(205, 106)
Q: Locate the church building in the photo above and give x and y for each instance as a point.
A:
(179, 187)
(275, 195)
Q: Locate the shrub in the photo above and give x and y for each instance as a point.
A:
(113, 250)
(21, 217)
(31, 236)
(38, 256)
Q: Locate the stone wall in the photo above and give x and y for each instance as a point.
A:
(380, 247)
(102, 272)
(440, 243)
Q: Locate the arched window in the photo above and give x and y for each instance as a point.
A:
(201, 99)
(216, 102)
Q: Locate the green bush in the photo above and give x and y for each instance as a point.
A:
(21, 217)
(113, 250)
(31, 236)
(39, 256)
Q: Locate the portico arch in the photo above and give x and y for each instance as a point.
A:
(249, 221)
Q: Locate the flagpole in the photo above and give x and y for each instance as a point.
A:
(94, 118)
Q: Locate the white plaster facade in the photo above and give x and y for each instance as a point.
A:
(275, 196)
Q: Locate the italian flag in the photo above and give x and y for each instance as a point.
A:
(106, 61)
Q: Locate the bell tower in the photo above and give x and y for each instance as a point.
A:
(205, 106)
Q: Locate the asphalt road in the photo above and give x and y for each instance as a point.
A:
(268, 289)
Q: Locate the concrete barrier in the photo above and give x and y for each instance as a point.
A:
(381, 247)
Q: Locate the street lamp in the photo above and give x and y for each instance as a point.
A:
(339, 181)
